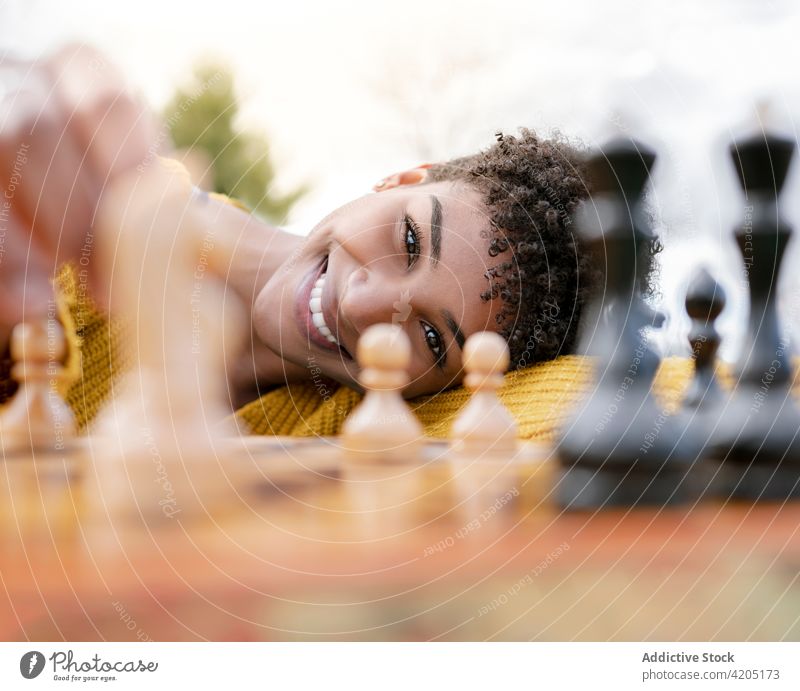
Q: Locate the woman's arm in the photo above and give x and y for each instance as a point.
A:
(248, 252)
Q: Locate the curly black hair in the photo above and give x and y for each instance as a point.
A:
(531, 186)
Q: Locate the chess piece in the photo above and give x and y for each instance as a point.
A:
(162, 432)
(485, 425)
(383, 427)
(620, 447)
(37, 418)
(757, 437)
(705, 300)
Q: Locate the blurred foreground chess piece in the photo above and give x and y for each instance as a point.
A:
(705, 300)
(37, 418)
(484, 448)
(485, 426)
(383, 426)
(162, 432)
(620, 447)
(758, 437)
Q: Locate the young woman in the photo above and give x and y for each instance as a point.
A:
(444, 250)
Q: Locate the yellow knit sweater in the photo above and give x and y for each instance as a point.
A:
(539, 397)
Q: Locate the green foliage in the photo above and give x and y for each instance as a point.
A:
(201, 116)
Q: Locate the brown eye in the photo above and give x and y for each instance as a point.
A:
(411, 240)
(434, 342)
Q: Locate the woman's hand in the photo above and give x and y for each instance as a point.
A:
(68, 127)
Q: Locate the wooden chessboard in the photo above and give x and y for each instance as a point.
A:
(319, 548)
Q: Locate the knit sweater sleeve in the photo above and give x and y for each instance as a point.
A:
(540, 397)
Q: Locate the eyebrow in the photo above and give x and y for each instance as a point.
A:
(458, 334)
(436, 229)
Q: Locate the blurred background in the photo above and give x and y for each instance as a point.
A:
(299, 107)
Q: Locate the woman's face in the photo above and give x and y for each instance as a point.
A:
(413, 255)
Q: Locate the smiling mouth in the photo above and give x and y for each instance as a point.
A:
(315, 307)
(319, 330)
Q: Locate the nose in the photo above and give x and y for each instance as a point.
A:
(370, 298)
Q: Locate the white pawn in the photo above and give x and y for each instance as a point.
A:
(485, 426)
(161, 442)
(383, 427)
(37, 417)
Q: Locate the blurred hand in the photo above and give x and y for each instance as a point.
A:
(68, 127)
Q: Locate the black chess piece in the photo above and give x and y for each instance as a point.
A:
(758, 435)
(620, 448)
(705, 300)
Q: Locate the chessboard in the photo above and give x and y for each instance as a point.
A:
(636, 524)
(317, 548)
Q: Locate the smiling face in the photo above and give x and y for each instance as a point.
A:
(414, 255)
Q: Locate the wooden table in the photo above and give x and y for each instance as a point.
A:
(390, 554)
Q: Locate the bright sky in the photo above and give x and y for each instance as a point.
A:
(350, 91)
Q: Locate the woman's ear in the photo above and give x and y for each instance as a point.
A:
(412, 176)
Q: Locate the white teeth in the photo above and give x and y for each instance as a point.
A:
(315, 307)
